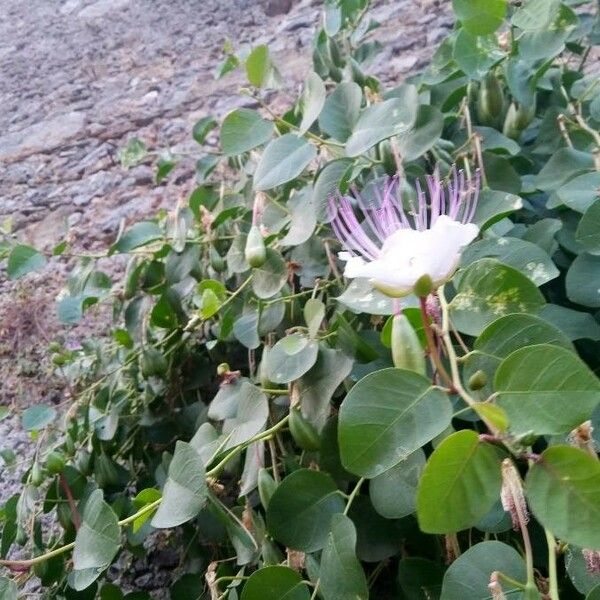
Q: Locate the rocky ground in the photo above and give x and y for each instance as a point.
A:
(78, 79)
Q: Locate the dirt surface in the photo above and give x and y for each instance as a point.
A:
(78, 78)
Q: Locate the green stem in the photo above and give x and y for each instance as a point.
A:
(453, 359)
(25, 564)
(260, 436)
(353, 494)
(552, 575)
(195, 321)
(511, 581)
(432, 346)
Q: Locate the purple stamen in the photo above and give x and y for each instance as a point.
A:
(385, 215)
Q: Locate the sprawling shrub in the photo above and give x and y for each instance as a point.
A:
(414, 418)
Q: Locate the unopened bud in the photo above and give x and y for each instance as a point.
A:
(512, 496)
(478, 380)
(222, 369)
(423, 286)
(255, 251)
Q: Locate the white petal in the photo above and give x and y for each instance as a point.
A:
(354, 265)
(447, 240)
(455, 234)
(409, 254)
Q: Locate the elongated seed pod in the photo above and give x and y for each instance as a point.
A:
(407, 352)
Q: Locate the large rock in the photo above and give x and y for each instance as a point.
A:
(44, 136)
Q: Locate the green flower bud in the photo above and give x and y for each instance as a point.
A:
(223, 369)
(217, 262)
(478, 380)
(490, 101)
(154, 363)
(423, 286)
(55, 462)
(37, 475)
(255, 251)
(131, 278)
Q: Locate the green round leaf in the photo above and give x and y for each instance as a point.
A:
(316, 387)
(459, 485)
(505, 335)
(184, 494)
(419, 578)
(500, 173)
(377, 538)
(259, 67)
(22, 260)
(271, 276)
(580, 192)
(480, 17)
(341, 110)
(283, 160)
(526, 257)
(244, 129)
(387, 416)
(394, 492)
(37, 417)
(583, 280)
(425, 133)
(563, 489)
(328, 184)
(243, 408)
(588, 231)
(341, 573)
(245, 329)
(493, 140)
(303, 218)
(381, 121)
(494, 206)
(275, 583)
(140, 234)
(575, 325)
(99, 537)
(562, 166)
(291, 357)
(578, 572)
(202, 128)
(468, 576)
(300, 510)
(476, 54)
(8, 589)
(489, 289)
(312, 100)
(546, 389)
